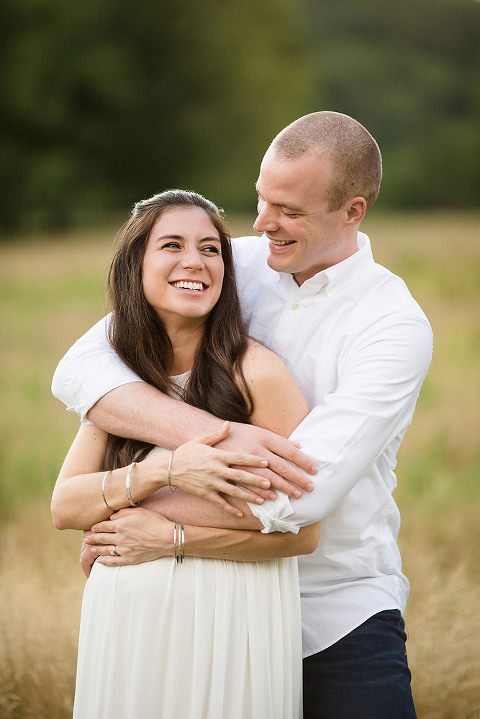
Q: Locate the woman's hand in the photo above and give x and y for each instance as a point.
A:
(137, 535)
(199, 469)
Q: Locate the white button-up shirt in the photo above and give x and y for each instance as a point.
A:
(359, 346)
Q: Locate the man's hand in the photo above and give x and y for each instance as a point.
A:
(137, 535)
(86, 557)
(281, 454)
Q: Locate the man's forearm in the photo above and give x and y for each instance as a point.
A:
(249, 545)
(139, 411)
(141, 535)
(184, 508)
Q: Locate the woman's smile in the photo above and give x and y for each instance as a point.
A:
(188, 285)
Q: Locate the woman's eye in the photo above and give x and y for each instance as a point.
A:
(211, 250)
(171, 245)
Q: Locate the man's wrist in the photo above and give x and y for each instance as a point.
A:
(215, 543)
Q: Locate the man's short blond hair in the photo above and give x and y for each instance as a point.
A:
(355, 154)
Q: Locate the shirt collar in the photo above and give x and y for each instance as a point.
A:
(339, 275)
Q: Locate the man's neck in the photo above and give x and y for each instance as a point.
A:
(343, 251)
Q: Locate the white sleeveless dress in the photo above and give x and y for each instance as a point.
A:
(206, 639)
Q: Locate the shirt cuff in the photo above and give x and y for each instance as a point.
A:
(273, 513)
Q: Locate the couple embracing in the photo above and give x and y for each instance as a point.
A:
(246, 401)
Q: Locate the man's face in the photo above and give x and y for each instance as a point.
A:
(305, 237)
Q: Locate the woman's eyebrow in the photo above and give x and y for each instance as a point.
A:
(169, 237)
(180, 237)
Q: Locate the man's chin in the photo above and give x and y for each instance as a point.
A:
(279, 264)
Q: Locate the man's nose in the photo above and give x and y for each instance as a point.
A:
(266, 220)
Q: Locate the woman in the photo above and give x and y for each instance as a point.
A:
(199, 638)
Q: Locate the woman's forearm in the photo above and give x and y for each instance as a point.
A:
(82, 498)
(80, 501)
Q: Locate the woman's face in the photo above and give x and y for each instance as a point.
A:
(183, 266)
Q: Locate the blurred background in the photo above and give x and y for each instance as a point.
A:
(104, 103)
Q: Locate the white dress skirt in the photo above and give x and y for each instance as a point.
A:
(206, 639)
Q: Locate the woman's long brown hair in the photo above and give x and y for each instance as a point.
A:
(216, 383)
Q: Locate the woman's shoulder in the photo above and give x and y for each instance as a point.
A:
(266, 371)
(278, 402)
(260, 361)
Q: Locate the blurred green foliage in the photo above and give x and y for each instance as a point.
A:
(105, 102)
(410, 72)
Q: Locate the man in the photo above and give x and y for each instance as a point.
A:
(359, 347)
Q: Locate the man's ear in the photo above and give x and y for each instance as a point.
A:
(355, 210)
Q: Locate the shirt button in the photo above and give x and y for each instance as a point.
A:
(295, 306)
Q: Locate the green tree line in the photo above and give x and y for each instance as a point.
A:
(104, 102)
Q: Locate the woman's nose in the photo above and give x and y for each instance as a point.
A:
(192, 260)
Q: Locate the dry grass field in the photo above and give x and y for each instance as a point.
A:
(52, 289)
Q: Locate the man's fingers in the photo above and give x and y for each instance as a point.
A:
(236, 473)
(286, 449)
(281, 476)
(257, 492)
(86, 560)
(239, 492)
(285, 470)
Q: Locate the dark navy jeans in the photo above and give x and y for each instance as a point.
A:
(363, 676)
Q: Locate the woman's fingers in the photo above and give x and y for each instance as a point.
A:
(200, 469)
(246, 460)
(117, 561)
(99, 537)
(212, 437)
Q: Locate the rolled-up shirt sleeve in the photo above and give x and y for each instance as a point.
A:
(275, 515)
(89, 370)
(379, 381)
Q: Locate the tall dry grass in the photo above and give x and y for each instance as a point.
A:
(40, 596)
(51, 291)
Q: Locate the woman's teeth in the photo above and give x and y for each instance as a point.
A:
(189, 285)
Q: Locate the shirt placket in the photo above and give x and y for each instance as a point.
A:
(286, 332)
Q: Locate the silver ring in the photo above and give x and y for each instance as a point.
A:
(114, 552)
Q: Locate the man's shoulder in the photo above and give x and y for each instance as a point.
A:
(253, 274)
(394, 289)
(384, 307)
(249, 250)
